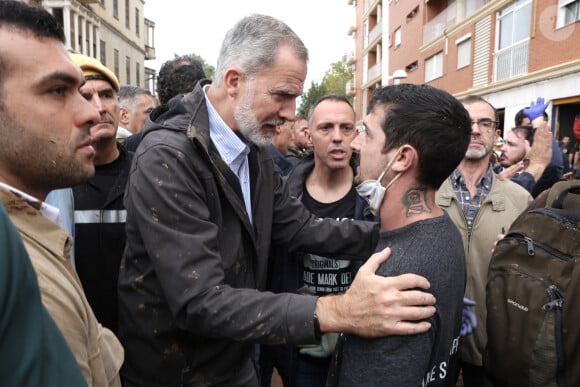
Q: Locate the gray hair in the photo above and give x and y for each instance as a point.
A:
(252, 45)
(128, 95)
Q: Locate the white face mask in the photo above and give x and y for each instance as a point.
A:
(373, 191)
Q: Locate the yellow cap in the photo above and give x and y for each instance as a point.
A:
(93, 69)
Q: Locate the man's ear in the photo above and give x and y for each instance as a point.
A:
(233, 81)
(527, 148)
(124, 115)
(406, 158)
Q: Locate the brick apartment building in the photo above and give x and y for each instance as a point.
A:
(507, 51)
(113, 31)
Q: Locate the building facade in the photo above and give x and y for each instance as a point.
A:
(113, 31)
(507, 51)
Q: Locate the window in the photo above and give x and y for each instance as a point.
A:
(366, 32)
(58, 15)
(127, 15)
(116, 62)
(412, 14)
(568, 12)
(463, 52)
(116, 9)
(137, 21)
(397, 37)
(514, 23)
(434, 67)
(412, 67)
(512, 47)
(128, 70)
(103, 49)
(103, 3)
(137, 74)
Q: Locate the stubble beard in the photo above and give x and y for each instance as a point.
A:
(476, 154)
(248, 125)
(43, 163)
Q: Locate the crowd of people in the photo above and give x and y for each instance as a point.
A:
(218, 237)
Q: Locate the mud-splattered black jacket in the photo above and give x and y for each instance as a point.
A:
(189, 286)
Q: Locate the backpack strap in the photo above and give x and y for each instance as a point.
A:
(565, 194)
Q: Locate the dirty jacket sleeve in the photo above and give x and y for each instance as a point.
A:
(197, 252)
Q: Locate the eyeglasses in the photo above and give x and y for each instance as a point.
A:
(485, 124)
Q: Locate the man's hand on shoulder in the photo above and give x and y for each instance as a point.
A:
(376, 306)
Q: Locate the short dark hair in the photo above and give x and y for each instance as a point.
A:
(430, 120)
(177, 76)
(476, 98)
(27, 19)
(328, 97)
(527, 131)
(519, 118)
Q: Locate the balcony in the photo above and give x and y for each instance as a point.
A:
(438, 24)
(454, 13)
(149, 52)
(374, 72)
(375, 33)
(370, 4)
(149, 39)
(512, 61)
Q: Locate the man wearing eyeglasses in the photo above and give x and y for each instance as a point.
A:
(481, 205)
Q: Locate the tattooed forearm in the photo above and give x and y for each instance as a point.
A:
(415, 200)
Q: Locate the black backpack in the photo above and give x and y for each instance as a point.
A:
(533, 296)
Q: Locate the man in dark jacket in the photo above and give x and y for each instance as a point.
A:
(323, 181)
(300, 142)
(203, 205)
(99, 210)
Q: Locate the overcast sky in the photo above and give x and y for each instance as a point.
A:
(199, 26)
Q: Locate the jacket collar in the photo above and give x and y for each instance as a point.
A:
(31, 223)
(446, 194)
(189, 113)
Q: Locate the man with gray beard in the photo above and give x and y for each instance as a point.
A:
(482, 205)
(203, 205)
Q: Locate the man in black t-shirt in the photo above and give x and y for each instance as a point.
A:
(100, 214)
(412, 139)
(323, 181)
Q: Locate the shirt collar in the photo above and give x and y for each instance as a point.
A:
(228, 144)
(457, 179)
(50, 212)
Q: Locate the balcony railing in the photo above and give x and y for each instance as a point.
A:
(512, 61)
(375, 32)
(374, 72)
(456, 11)
(149, 52)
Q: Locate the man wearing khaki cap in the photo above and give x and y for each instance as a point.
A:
(99, 210)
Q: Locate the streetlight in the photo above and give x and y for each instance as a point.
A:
(398, 75)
